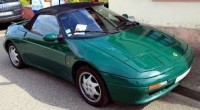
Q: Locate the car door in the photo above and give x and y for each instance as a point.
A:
(46, 55)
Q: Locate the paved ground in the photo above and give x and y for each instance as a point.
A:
(29, 88)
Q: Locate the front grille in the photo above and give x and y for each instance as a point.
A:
(10, 6)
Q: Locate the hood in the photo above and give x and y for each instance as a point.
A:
(143, 48)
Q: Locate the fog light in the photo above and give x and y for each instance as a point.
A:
(157, 85)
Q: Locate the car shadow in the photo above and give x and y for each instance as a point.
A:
(4, 26)
(176, 101)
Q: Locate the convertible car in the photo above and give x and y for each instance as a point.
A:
(107, 56)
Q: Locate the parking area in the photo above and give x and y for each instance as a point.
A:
(30, 88)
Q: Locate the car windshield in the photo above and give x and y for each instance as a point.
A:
(92, 21)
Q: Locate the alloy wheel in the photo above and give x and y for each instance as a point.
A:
(90, 87)
(14, 56)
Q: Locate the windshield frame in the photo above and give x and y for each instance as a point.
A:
(89, 36)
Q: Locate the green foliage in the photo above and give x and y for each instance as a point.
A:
(25, 2)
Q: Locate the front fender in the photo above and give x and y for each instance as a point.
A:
(100, 60)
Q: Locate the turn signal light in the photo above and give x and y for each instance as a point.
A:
(157, 85)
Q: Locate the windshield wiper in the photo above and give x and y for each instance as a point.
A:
(125, 24)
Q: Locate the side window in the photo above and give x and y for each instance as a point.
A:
(45, 24)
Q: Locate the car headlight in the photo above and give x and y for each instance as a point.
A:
(157, 85)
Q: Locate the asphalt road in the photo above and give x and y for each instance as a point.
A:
(32, 89)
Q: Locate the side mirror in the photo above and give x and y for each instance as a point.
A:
(125, 15)
(50, 37)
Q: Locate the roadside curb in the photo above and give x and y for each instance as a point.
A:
(186, 100)
(187, 92)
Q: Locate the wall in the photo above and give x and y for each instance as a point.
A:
(47, 4)
(176, 14)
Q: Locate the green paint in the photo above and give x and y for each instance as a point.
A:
(128, 61)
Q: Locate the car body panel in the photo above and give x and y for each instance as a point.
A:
(82, 50)
(49, 56)
(143, 52)
(129, 61)
(135, 91)
(139, 40)
(137, 95)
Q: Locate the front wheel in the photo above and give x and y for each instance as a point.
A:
(14, 56)
(91, 87)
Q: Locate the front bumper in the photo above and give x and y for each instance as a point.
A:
(140, 94)
(17, 15)
(11, 18)
(135, 91)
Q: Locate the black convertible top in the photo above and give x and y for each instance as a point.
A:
(56, 10)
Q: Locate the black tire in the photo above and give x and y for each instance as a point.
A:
(20, 63)
(103, 99)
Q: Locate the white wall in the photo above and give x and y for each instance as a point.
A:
(178, 14)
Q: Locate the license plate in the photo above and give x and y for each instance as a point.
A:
(6, 13)
(182, 76)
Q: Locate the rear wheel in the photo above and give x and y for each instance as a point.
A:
(14, 56)
(91, 87)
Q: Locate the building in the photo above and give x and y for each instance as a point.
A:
(172, 13)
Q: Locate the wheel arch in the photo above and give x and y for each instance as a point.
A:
(6, 44)
(79, 64)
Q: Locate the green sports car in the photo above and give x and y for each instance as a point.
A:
(107, 56)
